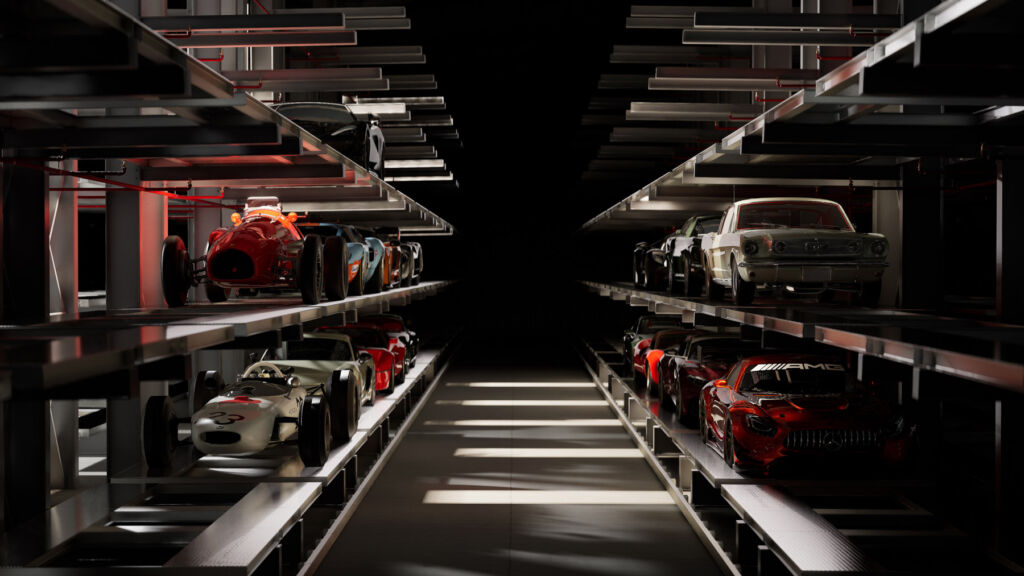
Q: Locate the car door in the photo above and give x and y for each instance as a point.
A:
(721, 400)
(718, 251)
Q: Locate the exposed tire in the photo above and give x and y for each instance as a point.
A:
(870, 293)
(207, 386)
(215, 293)
(729, 444)
(391, 382)
(407, 268)
(335, 268)
(742, 291)
(692, 286)
(314, 431)
(376, 283)
(311, 269)
(175, 271)
(343, 397)
(671, 286)
(652, 390)
(159, 432)
(355, 287)
(713, 290)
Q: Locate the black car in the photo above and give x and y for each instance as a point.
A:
(360, 139)
(674, 263)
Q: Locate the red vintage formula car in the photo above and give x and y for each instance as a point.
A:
(786, 406)
(263, 249)
(388, 353)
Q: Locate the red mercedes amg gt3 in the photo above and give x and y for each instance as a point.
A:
(787, 406)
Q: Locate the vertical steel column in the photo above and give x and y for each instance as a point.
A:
(63, 241)
(1009, 465)
(136, 227)
(1009, 261)
(26, 453)
(885, 218)
(25, 260)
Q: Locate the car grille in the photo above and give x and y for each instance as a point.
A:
(220, 437)
(231, 265)
(824, 247)
(830, 440)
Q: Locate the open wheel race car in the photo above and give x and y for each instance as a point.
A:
(311, 399)
(264, 249)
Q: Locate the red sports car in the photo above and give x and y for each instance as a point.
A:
(388, 353)
(684, 370)
(649, 357)
(263, 249)
(785, 406)
(396, 328)
(637, 338)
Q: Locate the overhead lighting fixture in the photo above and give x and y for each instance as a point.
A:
(548, 453)
(687, 111)
(775, 38)
(560, 497)
(377, 108)
(569, 422)
(761, 20)
(425, 163)
(446, 178)
(553, 403)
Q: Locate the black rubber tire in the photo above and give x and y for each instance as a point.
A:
(335, 268)
(407, 267)
(343, 398)
(405, 369)
(208, 385)
(215, 293)
(376, 283)
(705, 431)
(870, 293)
(677, 406)
(671, 286)
(653, 393)
(175, 271)
(355, 287)
(391, 382)
(713, 290)
(742, 291)
(729, 444)
(314, 431)
(693, 284)
(311, 269)
(159, 432)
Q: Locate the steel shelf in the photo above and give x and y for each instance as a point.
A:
(983, 352)
(50, 359)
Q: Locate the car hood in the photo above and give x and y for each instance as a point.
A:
(836, 408)
(790, 234)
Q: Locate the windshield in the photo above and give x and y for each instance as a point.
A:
(786, 214)
(670, 340)
(706, 226)
(319, 349)
(797, 378)
(655, 324)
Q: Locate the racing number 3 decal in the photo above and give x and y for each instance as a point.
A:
(231, 418)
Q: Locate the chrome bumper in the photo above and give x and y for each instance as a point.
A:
(803, 272)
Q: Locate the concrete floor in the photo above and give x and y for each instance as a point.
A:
(476, 490)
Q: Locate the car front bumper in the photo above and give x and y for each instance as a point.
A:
(811, 272)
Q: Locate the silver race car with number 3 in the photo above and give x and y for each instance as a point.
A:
(312, 398)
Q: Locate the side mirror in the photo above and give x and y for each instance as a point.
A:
(365, 356)
(721, 384)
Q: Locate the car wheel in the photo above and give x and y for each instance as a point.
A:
(407, 270)
(870, 293)
(159, 432)
(207, 386)
(215, 293)
(691, 285)
(729, 444)
(639, 381)
(376, 283)
(335, 268)
(713, 290)
(355, 287)
(652, 390)
(311, 269)
(705, 430)
(391, 381)
(742, 291)
(314, 431)
(671, 286)
(343, 399)
(175, 271)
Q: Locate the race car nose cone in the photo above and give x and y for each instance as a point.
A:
(242, 398)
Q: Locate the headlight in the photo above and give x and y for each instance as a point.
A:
(760, 425)
(856, 246)
(878, 247)
(750, 247)
(778, 246)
